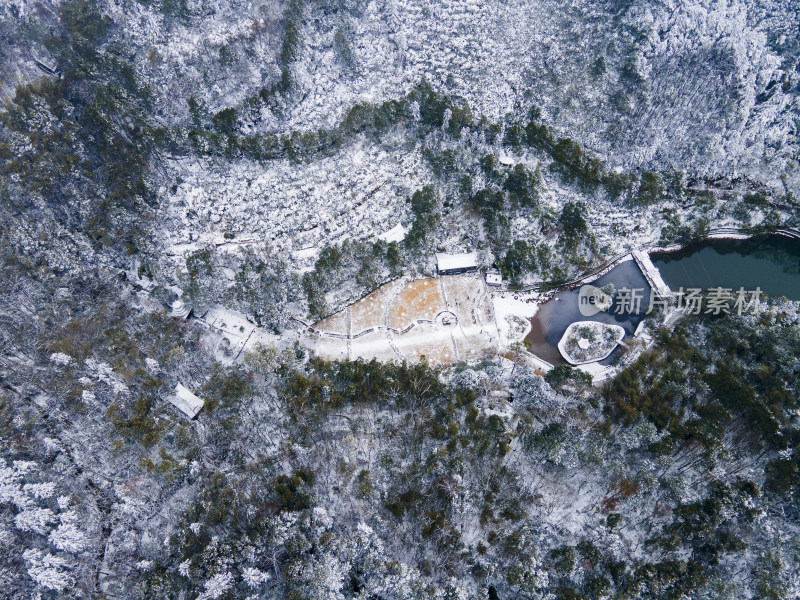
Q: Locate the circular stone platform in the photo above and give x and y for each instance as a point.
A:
(589, 341)
(446, 318)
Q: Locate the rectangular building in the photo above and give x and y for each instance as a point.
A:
(186, 401)
(494, 279)
(452, 264)
(395, 234)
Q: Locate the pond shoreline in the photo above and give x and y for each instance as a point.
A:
(727, 233)
(536, 339)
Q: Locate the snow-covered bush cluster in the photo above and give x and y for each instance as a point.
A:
(46, 524)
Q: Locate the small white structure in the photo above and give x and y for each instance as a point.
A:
(505, 160)
(179, 309)
(452, 264)
(305, 259)
(395, 234)
(310, 253)
(186, 401)
(494, 279)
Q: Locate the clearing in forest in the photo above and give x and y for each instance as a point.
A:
(444, 319)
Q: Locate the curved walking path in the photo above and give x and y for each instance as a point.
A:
(387, 314)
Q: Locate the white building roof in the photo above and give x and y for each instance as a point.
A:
(179, 309)
(306, 253)
(505, 160)
(494, 278)
(451, 262)
(395, 234)
(186, 401)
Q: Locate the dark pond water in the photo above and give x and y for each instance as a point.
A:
(771, 263)
(553, 317)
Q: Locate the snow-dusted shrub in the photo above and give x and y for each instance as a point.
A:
(47, 570)
(217, 586)
(68, 537)
(254, 577)
(40, 491)
(35, 519)
(61, 359)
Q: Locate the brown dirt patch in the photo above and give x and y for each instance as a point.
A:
(420, 299)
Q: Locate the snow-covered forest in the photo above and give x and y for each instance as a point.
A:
(247, 157)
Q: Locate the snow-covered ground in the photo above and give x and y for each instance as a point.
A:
(706, 86)
(289, 207)
(513, 311)
(237, 335)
